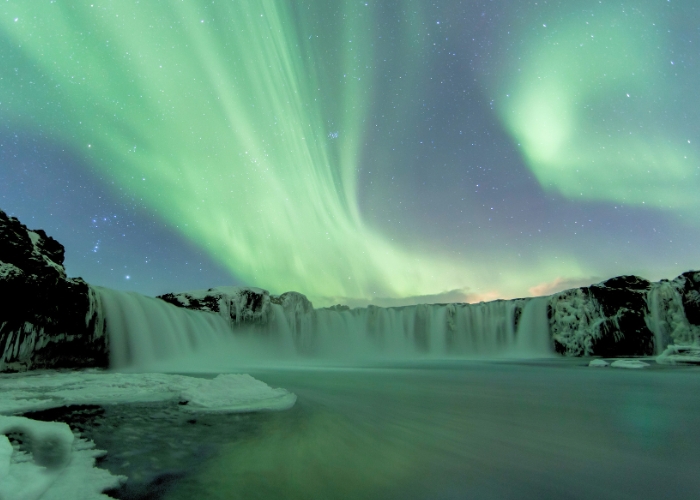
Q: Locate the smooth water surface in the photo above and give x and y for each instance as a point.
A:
(467, 430)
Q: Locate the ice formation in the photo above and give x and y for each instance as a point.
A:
(680, 355)
(626, 316)
(59, 465)
(629, 363)
(226, 392)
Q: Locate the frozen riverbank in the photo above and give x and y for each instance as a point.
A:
(444, 429)
(45, 456)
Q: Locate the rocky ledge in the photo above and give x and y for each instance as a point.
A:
(626, 316)
(46, 319)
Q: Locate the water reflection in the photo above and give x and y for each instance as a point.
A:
(481, 431)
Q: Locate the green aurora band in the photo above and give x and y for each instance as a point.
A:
(217, 115)
(242, 123)
(594, 102)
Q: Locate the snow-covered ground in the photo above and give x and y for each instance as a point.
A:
(57, 464)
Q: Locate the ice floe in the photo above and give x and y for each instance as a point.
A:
(53, 463)
(629, 363)
(226, 392)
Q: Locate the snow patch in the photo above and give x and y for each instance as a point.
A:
(225, 393)
(629, 363)
(38, 254)
(9, 271)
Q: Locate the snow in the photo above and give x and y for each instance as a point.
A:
(576, 320)
(680, 355)
(233, 303)
(667, 317)
(214, 396)
(8, 270)
(598, 363)
(629, 363)
(35, 239)
(225, 393)
(60, 465)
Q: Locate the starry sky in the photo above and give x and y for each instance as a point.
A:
(359, 152)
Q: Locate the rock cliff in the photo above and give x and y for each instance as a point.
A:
(46, 319)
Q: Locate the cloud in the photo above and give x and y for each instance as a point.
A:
(559, 284)
(457, 295)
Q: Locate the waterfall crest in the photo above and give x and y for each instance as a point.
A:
(146, 332)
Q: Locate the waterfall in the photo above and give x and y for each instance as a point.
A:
(142, 330)
(148, 333)
(667, 319)
(655, 320)
(533, 339)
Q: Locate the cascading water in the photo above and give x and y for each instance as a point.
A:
(143, 330)
(533, 338)
(148, 333)
(424, 330)
(667, 319)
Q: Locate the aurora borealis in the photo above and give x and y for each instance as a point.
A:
(629, 153)
(355, 151)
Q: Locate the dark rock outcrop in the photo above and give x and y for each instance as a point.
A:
(46, 319)
(626, 316)
(689, 286)
(607, 319)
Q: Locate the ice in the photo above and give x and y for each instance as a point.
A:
(213, 395)
(9, 270)
(598, 363)
(225, 393)
(680, 355)
(58, 465)
(629, 363)
(667, 317)
(576, 322)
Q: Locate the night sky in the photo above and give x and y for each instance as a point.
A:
(358, 152)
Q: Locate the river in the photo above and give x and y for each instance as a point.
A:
(463, 430)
